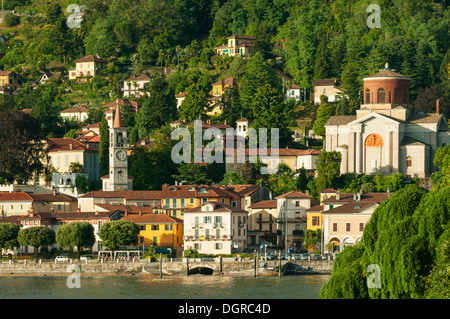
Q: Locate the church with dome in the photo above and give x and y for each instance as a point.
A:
(386, 136)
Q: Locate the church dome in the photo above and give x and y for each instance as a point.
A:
(386, 87)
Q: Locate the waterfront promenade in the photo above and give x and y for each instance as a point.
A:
(168, 267)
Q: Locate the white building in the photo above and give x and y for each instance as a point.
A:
(215, 228)
(134, 86)
(327, 87)
(386, 136)
(291, 217)
(77, 113)
(293, 92)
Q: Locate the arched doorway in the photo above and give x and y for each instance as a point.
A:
(373, 154)
(336, 244)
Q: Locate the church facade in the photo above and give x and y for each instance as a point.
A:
(386, 136)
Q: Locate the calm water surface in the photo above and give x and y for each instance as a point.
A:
(153, 287)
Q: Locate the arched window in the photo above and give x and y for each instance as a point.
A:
(120, 139)
(409, 161)
(381, 96)
(68, 182)
(367, 96)
(398, 98)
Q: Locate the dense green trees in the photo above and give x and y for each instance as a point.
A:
(76, 234)
(119, 233)
(158, 109)
(37, 237)
(8, 235)
(407, 238)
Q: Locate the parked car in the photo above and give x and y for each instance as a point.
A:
(270, 256)
(86, 257)
(267, 244)
(304, 256)
(62, 258)
(325, 256)
(315, 257)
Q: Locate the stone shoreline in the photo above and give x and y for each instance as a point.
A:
(95, 268)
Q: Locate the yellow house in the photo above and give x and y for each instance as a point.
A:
(237, 45)
(326, 194)
(218, 88)
(176, 198)
(87, 66)
(9, 79)
(314, 220)
(158, 229)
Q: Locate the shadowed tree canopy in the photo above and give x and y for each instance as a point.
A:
(8, 235)
(22, 150)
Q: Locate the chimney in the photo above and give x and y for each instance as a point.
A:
(96, 213)
(438, 108)
(54, 192)
(78, 209)
(338, 195)
(140, 212)
(126, 213)
(70, 146)
(225, 122)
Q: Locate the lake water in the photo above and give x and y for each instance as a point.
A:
(146, 286)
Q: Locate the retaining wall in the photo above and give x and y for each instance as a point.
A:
(175, 267)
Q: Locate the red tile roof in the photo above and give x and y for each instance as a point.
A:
(90, 58)
(349, 208)
(236, 36)
(49, 197)
(15, 196)
(142, 77)
(139, 195)
(153, 219)
(328, 190)
(188, 191)
(368, 197)
(294, 194)
(218, 208)
(69, 144)
(75, 109)
(264, 204)
(82, 215)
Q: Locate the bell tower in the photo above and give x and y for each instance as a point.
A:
(118, 159)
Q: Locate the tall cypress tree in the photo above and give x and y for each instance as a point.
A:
(103, 152)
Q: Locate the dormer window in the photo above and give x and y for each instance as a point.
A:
(202, 190)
